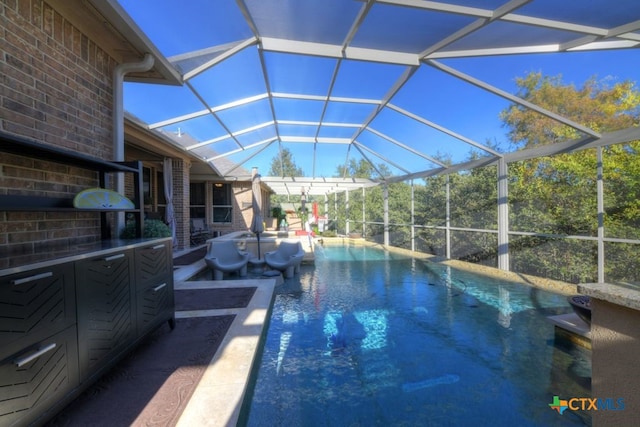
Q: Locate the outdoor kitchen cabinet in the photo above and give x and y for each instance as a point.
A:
(68, 315)
(38, 342)
(64, 322)
(154, 286)
(106, 304)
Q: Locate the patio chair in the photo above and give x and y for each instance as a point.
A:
(199, 231)
(224, 257)
(287, 258)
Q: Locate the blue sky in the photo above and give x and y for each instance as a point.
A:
(431, 94)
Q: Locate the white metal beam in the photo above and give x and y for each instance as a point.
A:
(271, 44)
(380, 156)
(312, 123)
(216, 109)
(226, 51)
(315, 186)
(503, 215)
(242, 162)
(443, 130)
(406, 147)
(441, 7)
(312, 139)
(504, 14)
(265, 75)
(364, 155)
(248, 18)
(477, 163)
(229, 136)
(495, 51)
(214, 114)
(474, 26)
(398, 84)
(239, 150)
(513, 98)
(625, 30)
(607, 45)
(326, 98)
(357, 22)
(325, 105)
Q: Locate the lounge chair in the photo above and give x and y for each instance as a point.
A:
(224, 257)
(199, 231)
(287, 258)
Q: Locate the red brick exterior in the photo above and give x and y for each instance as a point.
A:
(181, 202)
(55, 89)
(242, 212)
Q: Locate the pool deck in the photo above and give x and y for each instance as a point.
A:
(218, 398)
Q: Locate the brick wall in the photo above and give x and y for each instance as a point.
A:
(242, 212)
(55, 88)
(181, 202)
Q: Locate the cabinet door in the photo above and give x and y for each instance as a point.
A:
(153, 264)
(154, 284)
(105, 297)
(35, 378)
(35, 303)
(154, 306)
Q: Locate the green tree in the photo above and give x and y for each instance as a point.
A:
(557, 195)
(362, 169)
(597, 104)
(284, 165)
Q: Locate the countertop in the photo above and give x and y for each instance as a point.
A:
(48, 256)
(616, 293)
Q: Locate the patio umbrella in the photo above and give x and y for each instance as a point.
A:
(256, 204)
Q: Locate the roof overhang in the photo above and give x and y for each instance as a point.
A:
(295, 186)
(107, 23)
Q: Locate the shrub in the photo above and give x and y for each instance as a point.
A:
(152, 228)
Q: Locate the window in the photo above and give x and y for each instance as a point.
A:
(198, 201)
(155, 200)
(222, 204)
(146, 186)
(161, 206)
(162, 198)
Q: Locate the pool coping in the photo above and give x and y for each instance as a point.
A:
(219, 396)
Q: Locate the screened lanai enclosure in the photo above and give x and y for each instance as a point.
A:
(492, 131)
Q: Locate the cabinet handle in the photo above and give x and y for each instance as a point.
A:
(113, 257)
(31, 278)
(156, 247)
(24, 360)
(157, 288)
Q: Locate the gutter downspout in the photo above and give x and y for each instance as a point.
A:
(118, 121)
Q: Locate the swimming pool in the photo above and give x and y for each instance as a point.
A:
(368, 337)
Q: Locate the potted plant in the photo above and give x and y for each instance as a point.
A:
(279, 215)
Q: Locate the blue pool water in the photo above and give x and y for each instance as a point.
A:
(370, 338)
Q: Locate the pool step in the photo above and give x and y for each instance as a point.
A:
(308, 247)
